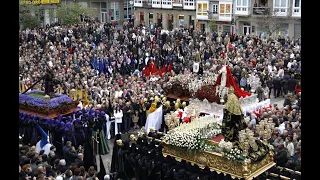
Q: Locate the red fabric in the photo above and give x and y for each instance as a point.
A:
(253, 63)
(179, 114)
(70, 50)
(232, 82)
(152, 68)
(298, 89)
(217, 139)
(146, 72)
(164, 69)
(186, 120)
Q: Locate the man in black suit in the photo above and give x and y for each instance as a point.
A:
(292, 84)
(276, 86)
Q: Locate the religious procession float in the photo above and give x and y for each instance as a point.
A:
(220, 140)
(210, 91)
(38, 103)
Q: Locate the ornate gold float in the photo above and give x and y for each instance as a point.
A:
(216, 162)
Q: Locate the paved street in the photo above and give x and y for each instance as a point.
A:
(107, 158)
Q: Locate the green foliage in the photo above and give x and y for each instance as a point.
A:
(69, 14)
(26, 19)
(213, 25)
(30, 21)
(37, 95)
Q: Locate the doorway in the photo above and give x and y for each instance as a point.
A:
(202, 27)
(246, 29)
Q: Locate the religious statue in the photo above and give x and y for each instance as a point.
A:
(233, 120)
(222, 90)
(49, 82)
(224, 81)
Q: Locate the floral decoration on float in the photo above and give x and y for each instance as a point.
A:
(191, 135)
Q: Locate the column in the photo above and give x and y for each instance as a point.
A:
(137, 18)
(46, 17)
(175, 21)
(109, 11)
(121, 12)
(155, 18)
(291, 30)
(165, 21)
(55, 15)
(186, 21)
(146, 18)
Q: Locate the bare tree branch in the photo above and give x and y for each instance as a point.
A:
(270, 22)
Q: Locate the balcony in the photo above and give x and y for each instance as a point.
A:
(281, 11)
(156, 3)
(147, 4)
(177, 3)
(261, 11)
(213, 15)
(138, 3)
(296, 12)
(166, 5)
(242, 10)
(189, 5)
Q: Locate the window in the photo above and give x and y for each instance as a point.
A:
(156, 2)
(242, 5)
(166, 2)
(115, 11)
(280, 6)
(128, 9)
(188, 2)
(296, 7)
(226, 28)
(202, 9)
(177, 1)
(215, 9)
(225, 10)
(104, 13)
(138, 1)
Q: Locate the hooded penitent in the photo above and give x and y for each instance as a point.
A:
(43, 144)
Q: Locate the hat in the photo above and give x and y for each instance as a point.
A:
(45, 137)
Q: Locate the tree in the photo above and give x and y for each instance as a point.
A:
(270, 23)
(26, 17)
(213, 25)
(69, 14)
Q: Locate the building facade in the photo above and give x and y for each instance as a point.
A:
(109, 11)
(283, 17)
(215, 15)
(168, 14)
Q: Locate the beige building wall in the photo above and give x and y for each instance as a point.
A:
(165, 13)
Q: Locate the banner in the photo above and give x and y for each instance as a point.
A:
(40, 2)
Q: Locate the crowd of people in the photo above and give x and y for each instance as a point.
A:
(122, 70)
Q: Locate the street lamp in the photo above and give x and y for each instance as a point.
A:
(73, 91)
(47, 99)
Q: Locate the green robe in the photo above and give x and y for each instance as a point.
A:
(103, 145)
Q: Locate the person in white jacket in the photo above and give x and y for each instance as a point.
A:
(118, 119)
(289, 145)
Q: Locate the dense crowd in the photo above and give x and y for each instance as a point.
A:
(114, 68)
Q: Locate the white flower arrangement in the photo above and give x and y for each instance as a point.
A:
(188, 135)
(225, 146)
(234, 154)
(231, 153)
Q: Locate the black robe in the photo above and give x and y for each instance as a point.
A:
(231, 125)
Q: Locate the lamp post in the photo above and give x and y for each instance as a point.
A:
(73, 91)
(47, 99)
